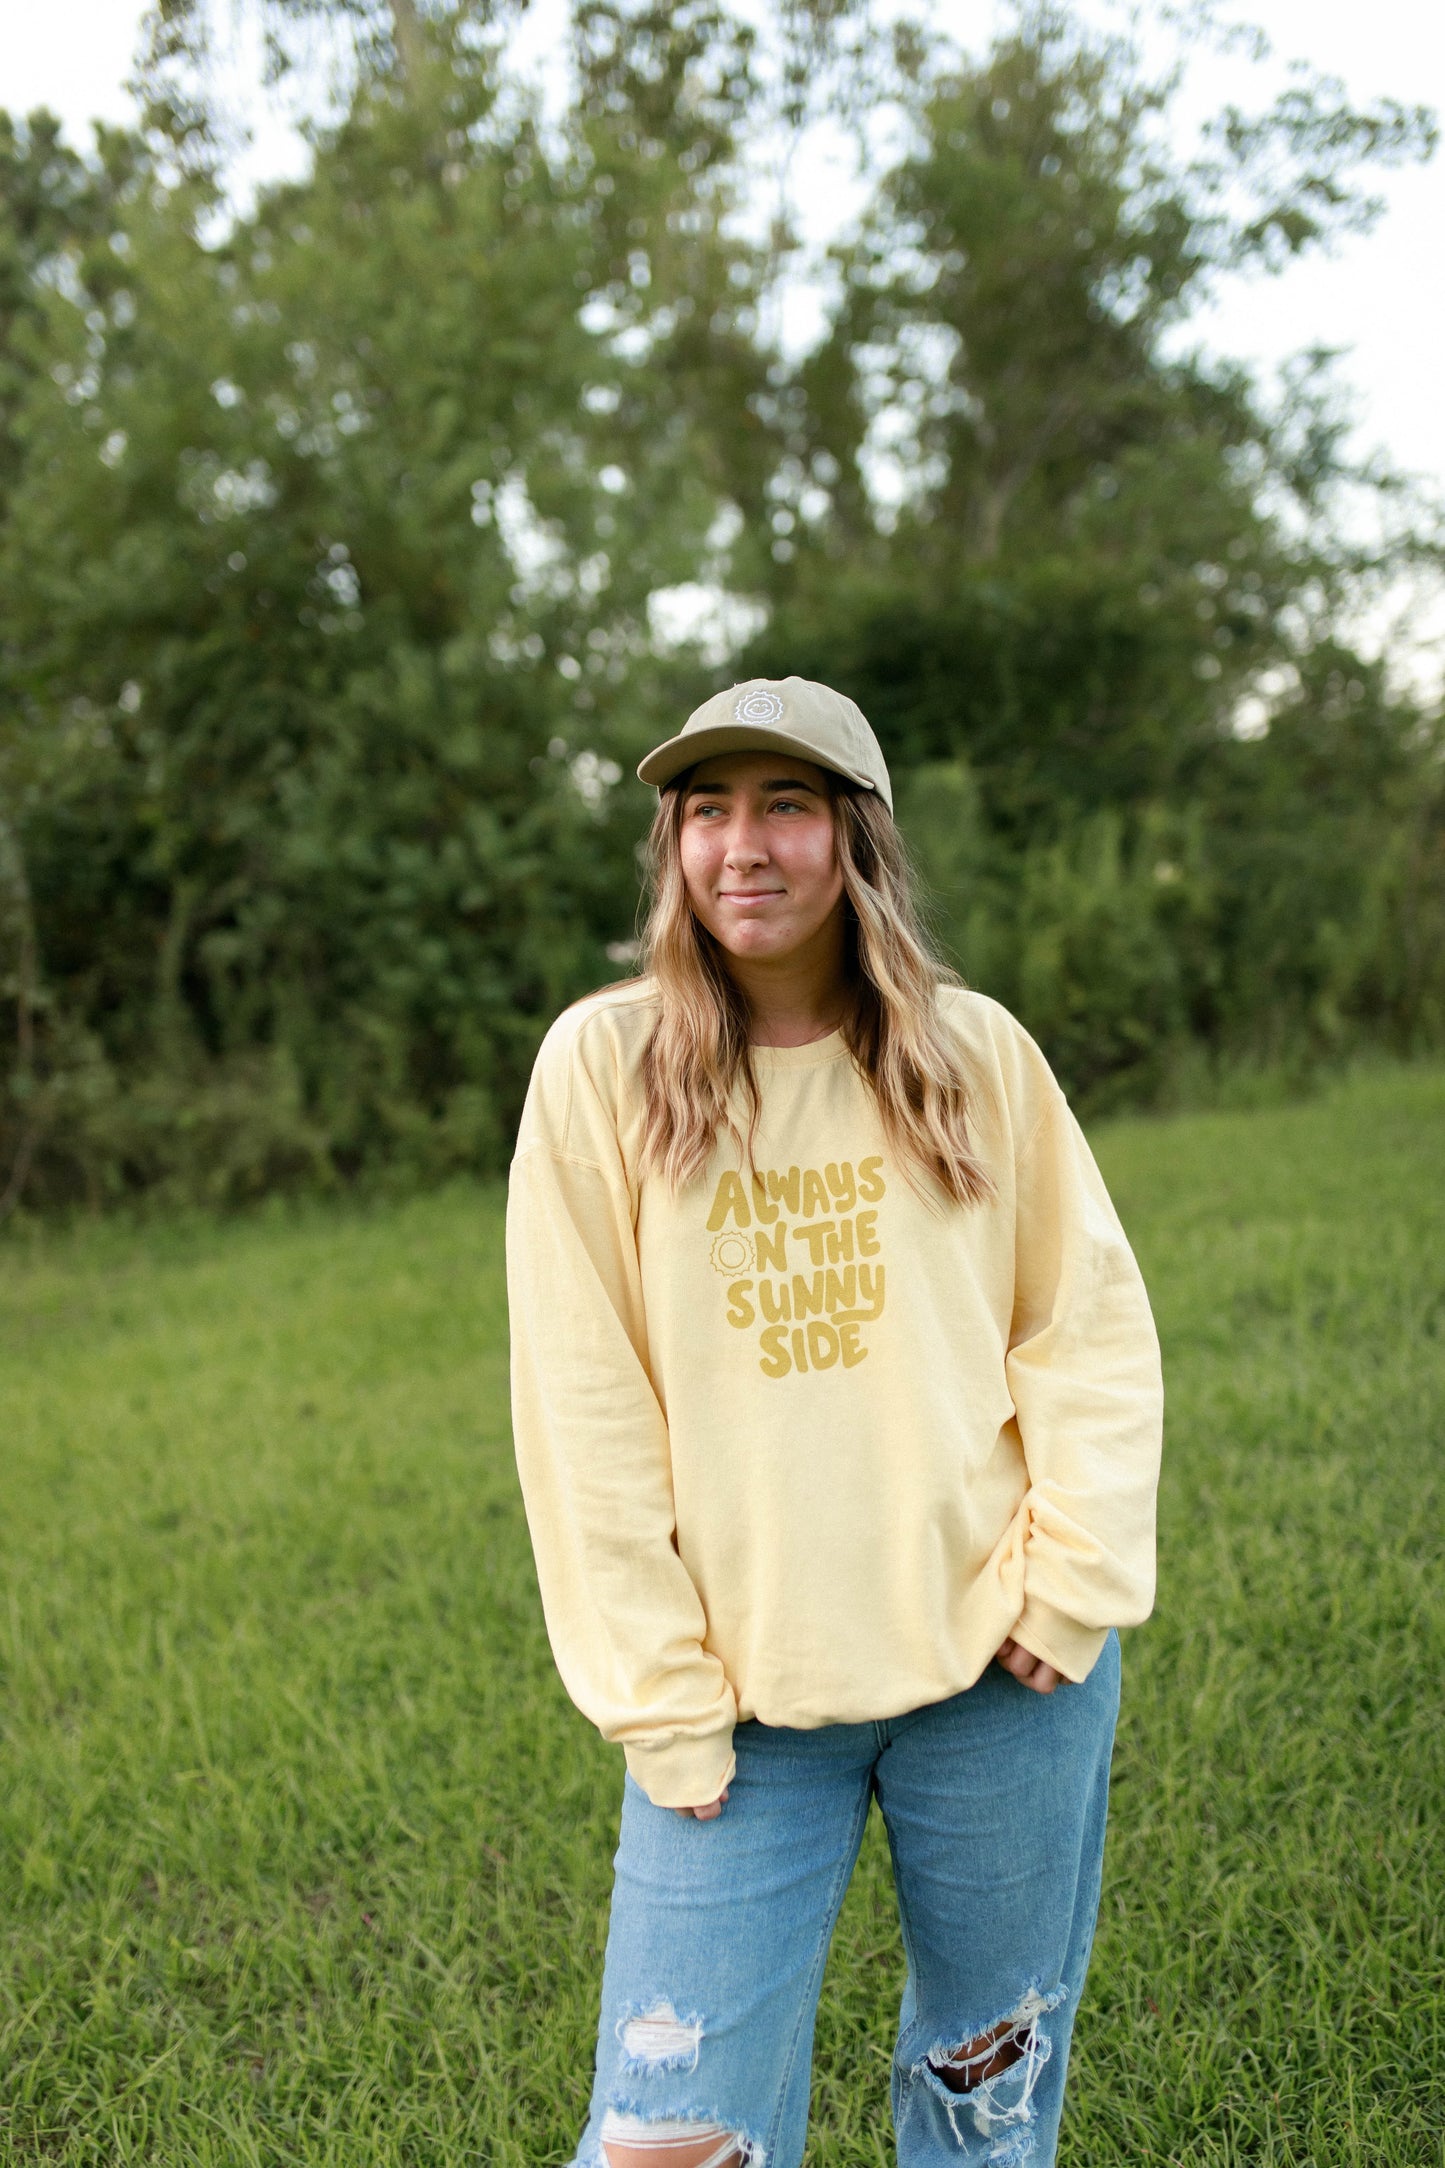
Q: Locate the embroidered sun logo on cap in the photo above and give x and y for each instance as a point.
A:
(758, 706)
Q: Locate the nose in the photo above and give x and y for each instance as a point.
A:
(746, 839)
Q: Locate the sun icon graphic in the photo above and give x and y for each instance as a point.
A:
(732, 1253)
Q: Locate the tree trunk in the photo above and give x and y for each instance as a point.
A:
(16, 905)
(406, 32)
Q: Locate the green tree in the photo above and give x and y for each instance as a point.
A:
(331, 538)
(327, 578)
(1098, 542)
(1055, 554)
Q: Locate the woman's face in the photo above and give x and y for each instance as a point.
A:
(758, 855)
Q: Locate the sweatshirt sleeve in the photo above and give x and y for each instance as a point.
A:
(1083, 1369)
(625, 1621)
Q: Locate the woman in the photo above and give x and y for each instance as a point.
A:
(837, 1404)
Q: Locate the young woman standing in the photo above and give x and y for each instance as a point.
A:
(837, 1410)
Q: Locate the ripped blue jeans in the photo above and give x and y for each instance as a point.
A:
(994, 1803)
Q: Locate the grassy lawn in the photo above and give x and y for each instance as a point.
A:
(304, 1856)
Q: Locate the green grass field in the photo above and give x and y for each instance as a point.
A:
(306, 1857)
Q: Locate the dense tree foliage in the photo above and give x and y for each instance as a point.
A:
(332, 539)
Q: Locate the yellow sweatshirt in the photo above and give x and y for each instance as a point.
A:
(804, 1444)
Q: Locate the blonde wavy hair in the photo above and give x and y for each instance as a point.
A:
(699, 1049)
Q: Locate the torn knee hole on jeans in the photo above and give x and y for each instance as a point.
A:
(656, 2042)
(991, 2077)
(987, 2057)
(639, 2141)
(658, 2039)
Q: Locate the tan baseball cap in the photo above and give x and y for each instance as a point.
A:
(790, 712)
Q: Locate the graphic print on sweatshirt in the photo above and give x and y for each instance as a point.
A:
(799, 1248)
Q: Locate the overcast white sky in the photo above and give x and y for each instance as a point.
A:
(1380, 297)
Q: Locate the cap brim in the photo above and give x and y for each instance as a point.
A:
(668, 760)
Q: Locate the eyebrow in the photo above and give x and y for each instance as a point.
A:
(777, 782)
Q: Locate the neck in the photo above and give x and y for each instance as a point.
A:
(795, 998)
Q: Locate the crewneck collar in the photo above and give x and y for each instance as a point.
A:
(807, 1056)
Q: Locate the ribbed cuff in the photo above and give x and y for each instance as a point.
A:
(1072, 1649)
(684, 1772)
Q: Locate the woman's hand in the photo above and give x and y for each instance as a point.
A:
(710, 1812)
(1028, 1669)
